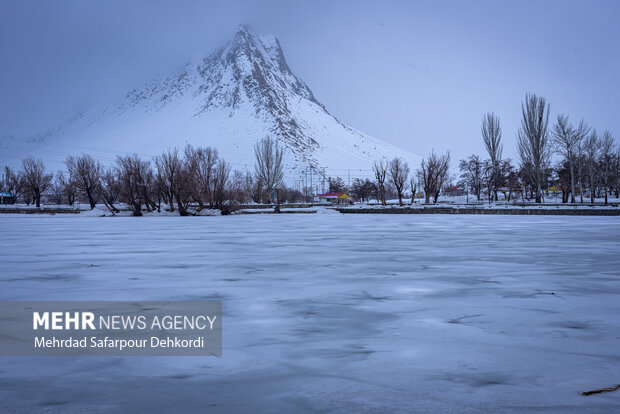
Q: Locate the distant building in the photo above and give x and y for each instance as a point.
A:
(335, 198)
(7, 198)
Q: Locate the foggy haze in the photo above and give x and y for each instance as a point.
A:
(419, 75)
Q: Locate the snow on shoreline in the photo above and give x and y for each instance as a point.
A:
(102, 211)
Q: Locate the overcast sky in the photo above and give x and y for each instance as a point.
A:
(418, 74)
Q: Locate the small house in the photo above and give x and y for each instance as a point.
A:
(335, 198)
(7, 198)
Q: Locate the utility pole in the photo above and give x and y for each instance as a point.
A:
(349, 178)
(311, 188)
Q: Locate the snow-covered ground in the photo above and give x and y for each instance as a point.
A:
(331, 312)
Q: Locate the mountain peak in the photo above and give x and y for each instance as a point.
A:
(252, 68)
(243, 35)
(231, 99)
(247, 42)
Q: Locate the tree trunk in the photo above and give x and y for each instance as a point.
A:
(572, 183)
(182, 211)
(91, 200)
(137, 209)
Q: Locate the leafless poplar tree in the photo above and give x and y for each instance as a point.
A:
(36, 180)
(269, 164)
(85, 175)
(567, 140)
(492, 135)
(591, 151)
(399, 172)
(380, 169)
(616, 169)
(607, 153)
(533, 140)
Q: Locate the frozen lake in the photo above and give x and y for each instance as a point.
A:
(333, 313)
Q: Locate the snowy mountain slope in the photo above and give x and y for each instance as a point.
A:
(229, 100)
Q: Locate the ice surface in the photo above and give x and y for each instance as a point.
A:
(333, 313)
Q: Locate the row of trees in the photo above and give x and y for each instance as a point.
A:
(194, 179)
(200, 177)
(431, 178)
(588, 160)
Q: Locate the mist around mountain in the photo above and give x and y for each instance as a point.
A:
(228, 100)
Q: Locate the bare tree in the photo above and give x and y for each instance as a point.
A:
(533, 140)
(269, 164)
(253, 187)
(433, 173)
(202, 161)
(443, 174)
(488, 179)
(168, 166)
(413, 187)
(567, 140)
(380, 169)
(110, 190)
(178, 179)
(12, 182)
(472, 174)
(607, 152)
(56, 191)
(185, 188)
(399, 172)
(580, 165)
(132, 176)
(219, 183)
(64, 188)
(591, 151)
(236, 192)
(85, 173)
(492, 135)
(36, 180)
(616, 172)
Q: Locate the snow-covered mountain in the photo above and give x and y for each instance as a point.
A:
(229, 100)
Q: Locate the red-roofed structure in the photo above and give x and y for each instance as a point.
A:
(335, 198)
